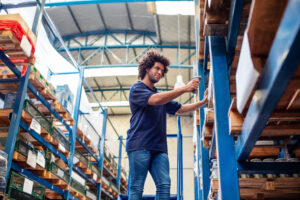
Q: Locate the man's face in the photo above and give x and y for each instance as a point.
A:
(155, 73)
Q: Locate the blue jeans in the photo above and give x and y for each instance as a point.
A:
(157, 163)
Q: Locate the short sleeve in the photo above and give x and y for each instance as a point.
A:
(140, 95)
(172, 107)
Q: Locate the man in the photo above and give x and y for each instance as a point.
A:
(146, 138)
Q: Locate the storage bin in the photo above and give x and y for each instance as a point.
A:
(16, 189)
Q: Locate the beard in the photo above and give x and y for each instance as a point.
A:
(152, 79)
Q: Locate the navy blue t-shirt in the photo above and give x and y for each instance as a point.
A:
(148, 123)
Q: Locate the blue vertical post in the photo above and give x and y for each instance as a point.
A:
(204, 154)
(228, 178)
(22, 89)
(119, 163)
(38, 17)
(73, 135)
(15, 119)
(198, 159)
(101, 149)
(179, 162)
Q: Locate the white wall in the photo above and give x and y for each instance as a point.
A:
(121, 123)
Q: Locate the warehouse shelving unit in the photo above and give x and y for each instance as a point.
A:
(24, 86)
(234, 138)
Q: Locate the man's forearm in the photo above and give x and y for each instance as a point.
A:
(190, 107)
(165, 97)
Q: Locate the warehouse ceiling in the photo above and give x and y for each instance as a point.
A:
(111, 38)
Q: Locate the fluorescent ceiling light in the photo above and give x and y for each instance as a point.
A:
(175, 8)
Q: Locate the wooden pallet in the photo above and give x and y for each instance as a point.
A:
(263, 188)
(35, 78)
(22, 162)
(50, 194)
(5, 122)
(57, 181)
(11, 47)
(84, 168)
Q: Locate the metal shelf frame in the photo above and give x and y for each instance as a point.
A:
(277, 74)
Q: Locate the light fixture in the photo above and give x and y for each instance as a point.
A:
(179, 82)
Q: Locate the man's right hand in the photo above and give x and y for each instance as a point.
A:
(192, 85)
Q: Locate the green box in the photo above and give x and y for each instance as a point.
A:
(82, 158)
(62, 140)
(78, 187)
(23, 148)
(57, 171)
(15, 189)
(45, 122)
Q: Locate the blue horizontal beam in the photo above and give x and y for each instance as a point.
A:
(134, 65)
(281, 64)
(43, 141)
(110, 173)
(62, 73)
(87, 148)
(19, 5)
(269, 167)
(172, 135)
(105, 32)
(9, 80)
(107, 193)
(125, 47)
(33, 177)
(41, 181)
(83, 2)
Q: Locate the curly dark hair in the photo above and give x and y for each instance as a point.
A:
(148, 60)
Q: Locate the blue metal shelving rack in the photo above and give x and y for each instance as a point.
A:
(281, 64)
(16, 122)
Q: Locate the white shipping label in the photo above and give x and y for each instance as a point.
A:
(31, 159)
(60, 173)
(35, 125)
(61, 147)
(52, 159)
(95, 177)
(26, 46)
(28, 185)
(41, 159)
(75, 160)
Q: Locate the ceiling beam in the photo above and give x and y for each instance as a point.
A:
(83, 2)
(74, 19)
(134, 65)
(141, 32)
(98, 86)
(101, 16)
(126, 46)
(121, 88)
(157, 28)
(130, 23)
